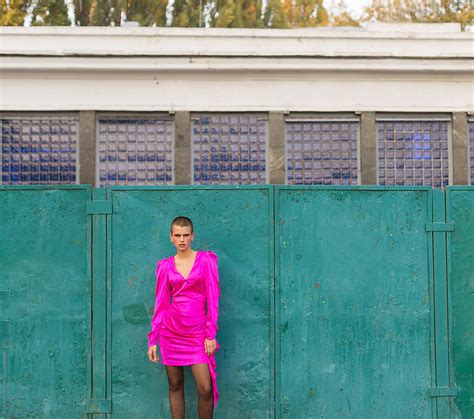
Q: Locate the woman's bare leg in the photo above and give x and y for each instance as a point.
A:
(176, 391)
(204, 389)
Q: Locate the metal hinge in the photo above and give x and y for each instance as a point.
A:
(443, 392)
(98, 406)
(98, 207)
(440, 227)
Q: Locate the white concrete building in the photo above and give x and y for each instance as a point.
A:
(386, 104)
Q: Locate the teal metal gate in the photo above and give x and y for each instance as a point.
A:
(357, 293)
(45, 301)
(237, 224)
(460, 212)
(335, 300)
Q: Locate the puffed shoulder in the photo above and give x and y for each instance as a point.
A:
(212, 256)
(161, 262)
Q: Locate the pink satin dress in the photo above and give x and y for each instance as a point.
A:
(180, 327)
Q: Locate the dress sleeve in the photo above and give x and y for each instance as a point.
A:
(212, 295)
(163, 294)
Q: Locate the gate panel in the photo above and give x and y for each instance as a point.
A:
(354, 294)
(236, 223)
(460, 210)
(45, 301)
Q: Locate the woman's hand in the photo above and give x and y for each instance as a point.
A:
(152, 356)
(209, 346)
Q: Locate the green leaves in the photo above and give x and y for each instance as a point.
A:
(230, 13)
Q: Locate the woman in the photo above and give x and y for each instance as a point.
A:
(185, 334)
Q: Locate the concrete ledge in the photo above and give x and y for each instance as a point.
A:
(242, 64)
(195, 42)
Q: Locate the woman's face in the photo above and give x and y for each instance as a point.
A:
(181, 237)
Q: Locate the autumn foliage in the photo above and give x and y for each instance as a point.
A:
(228, 13)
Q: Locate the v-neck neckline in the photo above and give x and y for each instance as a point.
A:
(192, 267)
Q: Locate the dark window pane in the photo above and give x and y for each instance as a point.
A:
(224, 146)
(420, 147)
(135, 151)
(321, 152)
(31, 144)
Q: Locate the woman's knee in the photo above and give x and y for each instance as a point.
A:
(176, 383)
(204, 390)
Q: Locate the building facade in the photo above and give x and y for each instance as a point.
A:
(386, 104)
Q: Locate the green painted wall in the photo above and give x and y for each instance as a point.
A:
(354, 291)
(45, 296)
(333, 300)
(237, 225)
(460, 208)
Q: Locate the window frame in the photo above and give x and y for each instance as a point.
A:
(264, 115)
(151, 115)
(324, 117)
(417, 117)
(40, 115)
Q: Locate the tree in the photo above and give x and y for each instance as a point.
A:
(13, 12)
(224, 15)
(433, 11)
(309, 13)
(231, 13)
(81, 8)
(50, 13)
(186, 13)
(289, 10)
(274, 16)
(99, 13)
(145, 12)
(249, 13)
(340, 16)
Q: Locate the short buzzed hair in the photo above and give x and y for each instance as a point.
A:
(182, 221)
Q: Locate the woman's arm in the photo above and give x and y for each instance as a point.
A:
(212, 294)
(163, 294)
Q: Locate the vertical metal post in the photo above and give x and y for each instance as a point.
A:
(98, 208)
(440, 291)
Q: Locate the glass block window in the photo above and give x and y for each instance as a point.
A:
(413, 152)
(39, 149)
(471, 150)
(321, 152)
(135, 151)
(229, 149)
